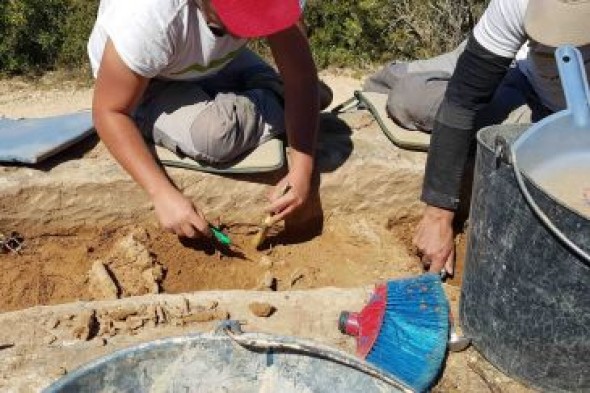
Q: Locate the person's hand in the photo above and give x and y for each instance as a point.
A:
(177, 214)
(288, 195)
(434, 239)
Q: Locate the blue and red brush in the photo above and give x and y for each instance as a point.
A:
(404, 329)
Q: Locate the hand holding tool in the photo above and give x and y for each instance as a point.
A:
(267, 223)
(220, 236)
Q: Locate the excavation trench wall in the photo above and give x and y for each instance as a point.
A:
(361, 173)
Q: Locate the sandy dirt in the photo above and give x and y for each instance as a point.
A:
(84, 262)
(54, 268)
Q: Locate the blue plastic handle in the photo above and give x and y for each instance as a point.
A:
(574, 83)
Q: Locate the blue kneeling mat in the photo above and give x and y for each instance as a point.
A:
(30, 141)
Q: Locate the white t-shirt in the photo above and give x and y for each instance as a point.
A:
(167, 39)
(501, 31)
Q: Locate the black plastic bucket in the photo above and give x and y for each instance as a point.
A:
(526, 296)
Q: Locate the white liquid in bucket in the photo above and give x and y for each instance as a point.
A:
(567, 179)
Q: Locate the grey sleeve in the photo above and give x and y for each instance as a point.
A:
(472, 86)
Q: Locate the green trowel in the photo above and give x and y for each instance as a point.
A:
(221, 237)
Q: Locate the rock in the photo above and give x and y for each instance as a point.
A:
(263, 310)
(153, 277)
(148, 277)
(119, 325)
(211, 305)
(177, 310)
(87, 325)
(185, 305)
(134, 323)
(206, 316)
(160, 315)
(122, 313)
(133, 249)
(133, 266)
(102, 286)
(152, 315)
(106, 328)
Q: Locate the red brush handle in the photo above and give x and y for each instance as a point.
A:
(365, 325)
(349, 323)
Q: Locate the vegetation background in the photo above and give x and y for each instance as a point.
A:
(48, 35)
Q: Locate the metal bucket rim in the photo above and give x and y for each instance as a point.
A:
(483, 144)
(324, 352)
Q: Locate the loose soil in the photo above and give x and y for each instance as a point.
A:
(54, 267)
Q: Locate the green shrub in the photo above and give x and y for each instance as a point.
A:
(368, 32)
(75, 31)
(28, 34)
(38, 36)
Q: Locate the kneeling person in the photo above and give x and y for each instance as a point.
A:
(178, 72)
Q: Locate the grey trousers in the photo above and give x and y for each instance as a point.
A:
(218, 119)
(416, 90)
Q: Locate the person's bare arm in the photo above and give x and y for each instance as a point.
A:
(434, 239)
(293, 57)
(117, 91)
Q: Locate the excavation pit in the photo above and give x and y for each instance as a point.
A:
(85, 211)
(80, 211)
(57, 267)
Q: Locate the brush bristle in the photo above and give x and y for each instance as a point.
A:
(413, 338)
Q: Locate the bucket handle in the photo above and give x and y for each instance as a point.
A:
(574, 83)
(503, 151)
(265, 342)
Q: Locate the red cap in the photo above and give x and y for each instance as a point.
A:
(257, 18)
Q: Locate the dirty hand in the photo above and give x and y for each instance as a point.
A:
(284, 203)
(434, 239)
(177, 214)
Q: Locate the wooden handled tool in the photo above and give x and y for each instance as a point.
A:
(267, 223)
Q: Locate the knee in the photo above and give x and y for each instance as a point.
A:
(414, 102)
(225, 129)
